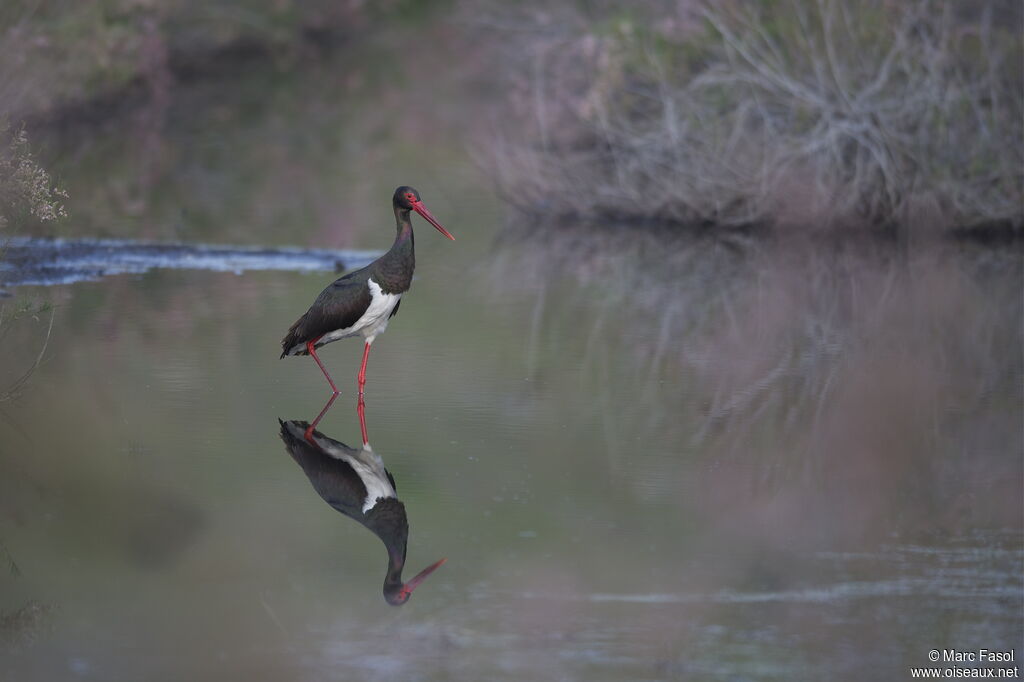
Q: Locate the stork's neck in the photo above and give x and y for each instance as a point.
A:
(404, 225)
(393, 271)
(387, 520)
(394, 537)
(396, 563)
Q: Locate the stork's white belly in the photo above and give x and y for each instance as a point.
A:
(373, 321)
(369, 466)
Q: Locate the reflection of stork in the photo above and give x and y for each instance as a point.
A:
(362, 302)
(355, 482)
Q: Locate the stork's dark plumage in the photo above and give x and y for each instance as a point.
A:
(362, 302)
(355, 483)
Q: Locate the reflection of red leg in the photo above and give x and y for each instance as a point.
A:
(310, 346)
(361, 411)
(309, 430)
(361, 379)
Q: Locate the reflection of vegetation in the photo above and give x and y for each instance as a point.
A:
(782, 112)
(11, 564)
(26, 190)
(846, 370)
(14, 387)
(22, 627)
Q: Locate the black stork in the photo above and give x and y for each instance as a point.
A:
(363, 301)
(355, 483)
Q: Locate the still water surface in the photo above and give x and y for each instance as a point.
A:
(643, 457)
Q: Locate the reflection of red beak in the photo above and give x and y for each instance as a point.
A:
(422, 575)
(422, 210)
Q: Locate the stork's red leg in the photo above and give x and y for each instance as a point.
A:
(312, 427)
(312, 351)
(361, 379)
(361, 411)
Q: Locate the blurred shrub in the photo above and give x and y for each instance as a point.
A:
(781, 112)
(27, 193)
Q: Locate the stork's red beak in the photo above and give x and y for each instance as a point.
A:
(422, 210)
(422, 575)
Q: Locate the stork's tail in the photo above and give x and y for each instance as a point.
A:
(292, 343)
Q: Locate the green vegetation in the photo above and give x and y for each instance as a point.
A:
(767, 113)
(105, 91)
(61, 56)
(61, 53)
(57, 54)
